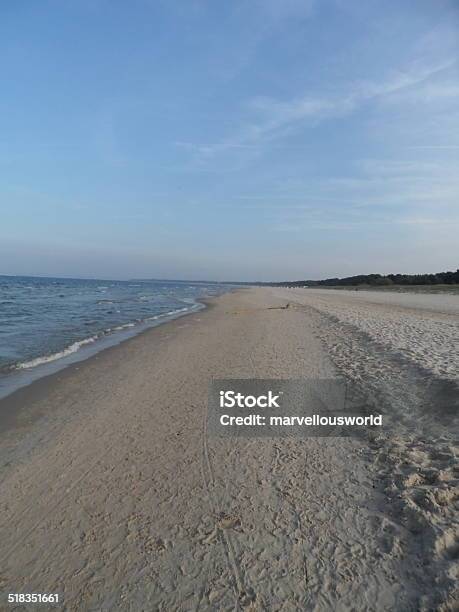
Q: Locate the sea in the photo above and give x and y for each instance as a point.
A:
(49, 323)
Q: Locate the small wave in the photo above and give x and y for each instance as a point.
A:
(73, 348)
(125, 326)
(166, 314)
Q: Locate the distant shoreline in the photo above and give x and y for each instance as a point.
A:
(450, 289)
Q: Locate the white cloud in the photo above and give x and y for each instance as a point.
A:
(435, 146)
(276, 118)
(428, 221)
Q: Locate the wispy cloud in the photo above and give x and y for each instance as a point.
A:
(358, 225)
(429, 221)
(276, 118)
(436, 146)
(404, 193)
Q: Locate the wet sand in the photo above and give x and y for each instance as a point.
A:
(114, 495)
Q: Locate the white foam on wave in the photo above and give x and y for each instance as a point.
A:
(120, 327)
(168, 313)
(73, 348)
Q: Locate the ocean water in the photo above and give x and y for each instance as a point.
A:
(46, 321)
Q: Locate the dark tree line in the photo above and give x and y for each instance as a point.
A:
(440, 278)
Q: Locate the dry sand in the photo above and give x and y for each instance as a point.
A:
(114, 495)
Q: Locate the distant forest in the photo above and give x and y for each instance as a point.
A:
(441, 278)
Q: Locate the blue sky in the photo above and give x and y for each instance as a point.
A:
(228, 140)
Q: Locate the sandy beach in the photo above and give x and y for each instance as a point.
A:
(115, 496)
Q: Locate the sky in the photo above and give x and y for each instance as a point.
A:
(242, 140)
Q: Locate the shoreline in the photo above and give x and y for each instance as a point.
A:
(18, 377)
(15, 410)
